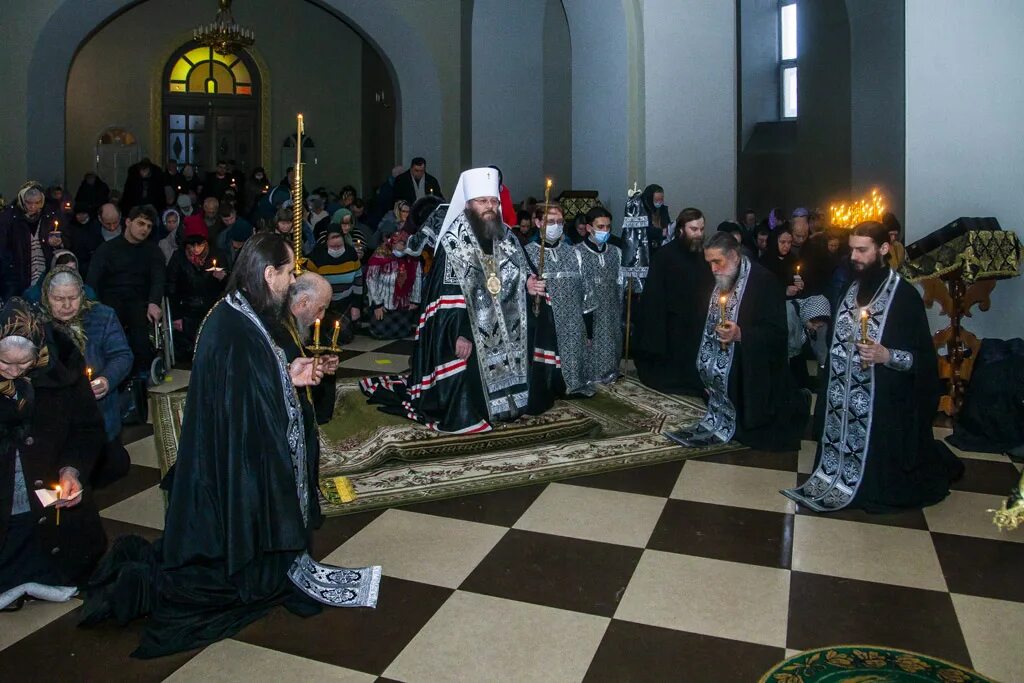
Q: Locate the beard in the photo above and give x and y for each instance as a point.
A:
(693, 245)
(274, 313)
(727, 280)
(867, 272)
(487, 226)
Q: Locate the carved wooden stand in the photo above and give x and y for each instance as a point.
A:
(956, 300)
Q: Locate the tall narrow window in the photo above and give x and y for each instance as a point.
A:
(787, 59)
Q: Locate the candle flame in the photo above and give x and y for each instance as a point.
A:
(548, 186)
(863, 313)
(724, 299)
(337, 324)
(848, 215)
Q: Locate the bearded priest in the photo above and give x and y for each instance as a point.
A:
(877, 450)
(470, 368)
(743, 358)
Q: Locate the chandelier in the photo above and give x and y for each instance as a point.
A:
(224, 35)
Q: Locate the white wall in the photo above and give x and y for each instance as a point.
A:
(690, 61)
(964, 143)
(557, 94)
(599, 99)
(508, 107)
(759, 61)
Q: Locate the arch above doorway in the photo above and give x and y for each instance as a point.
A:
(382, 24)
(210, 108)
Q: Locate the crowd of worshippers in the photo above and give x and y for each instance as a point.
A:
(505, 322)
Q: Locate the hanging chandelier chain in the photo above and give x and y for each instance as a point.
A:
(224, 35)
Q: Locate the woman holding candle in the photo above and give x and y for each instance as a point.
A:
(100, 337)
(194, 284)
(51, 433)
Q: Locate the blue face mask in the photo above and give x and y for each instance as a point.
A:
(397, 253)
(601, 236)
(658, 205)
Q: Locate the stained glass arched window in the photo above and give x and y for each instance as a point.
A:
(205, 71)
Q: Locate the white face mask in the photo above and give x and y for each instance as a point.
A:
(398, 253)
(335, 253)
(553, 231)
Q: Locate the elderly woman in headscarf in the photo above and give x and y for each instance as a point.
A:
(393, 280)
(61, 257)
(29, 233)
(51, 433)
(171, 221)
(100, 338)
(653, 200)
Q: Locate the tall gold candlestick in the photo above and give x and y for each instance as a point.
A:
(334, 337)
(540, 262)
(316, 332)
(297, 195)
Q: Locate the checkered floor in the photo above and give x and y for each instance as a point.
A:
(695, 571)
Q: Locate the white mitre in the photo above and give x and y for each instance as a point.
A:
(473, 184)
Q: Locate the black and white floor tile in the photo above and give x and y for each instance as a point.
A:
(695, 571)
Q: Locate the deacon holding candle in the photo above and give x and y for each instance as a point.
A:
(876, 448)
(742, 358)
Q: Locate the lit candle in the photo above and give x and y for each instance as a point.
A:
(334, 337)
(88, 374)
(316, 327)
(214, 263)
(721, 308)
(58, 489)
(863, 326)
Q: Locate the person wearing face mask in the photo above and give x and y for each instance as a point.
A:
(602, 308)
(654, 201)
(393, 284)
(338, 260)
(558, 362)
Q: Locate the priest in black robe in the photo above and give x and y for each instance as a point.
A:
(743, 358)
(242, 496)
(470, 368)
(672, 311)
(877, 450)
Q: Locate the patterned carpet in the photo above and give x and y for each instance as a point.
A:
(371, 459)
(694, 570)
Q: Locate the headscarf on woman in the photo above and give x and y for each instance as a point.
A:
(18, 320)
(384, 262)
(74, 328)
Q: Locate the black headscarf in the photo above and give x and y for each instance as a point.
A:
(659, 214)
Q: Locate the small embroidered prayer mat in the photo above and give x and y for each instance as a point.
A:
(370, 459)
(868, 664)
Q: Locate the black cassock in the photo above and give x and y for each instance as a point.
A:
(751, 395)
(670, 320)
(242, 501)
(877, 450)
(469, 396)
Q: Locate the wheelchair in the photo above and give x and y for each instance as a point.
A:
(162, 339)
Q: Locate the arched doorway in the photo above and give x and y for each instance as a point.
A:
(211, 109)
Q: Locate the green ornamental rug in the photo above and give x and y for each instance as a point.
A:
(371, 459)
(868, 664)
